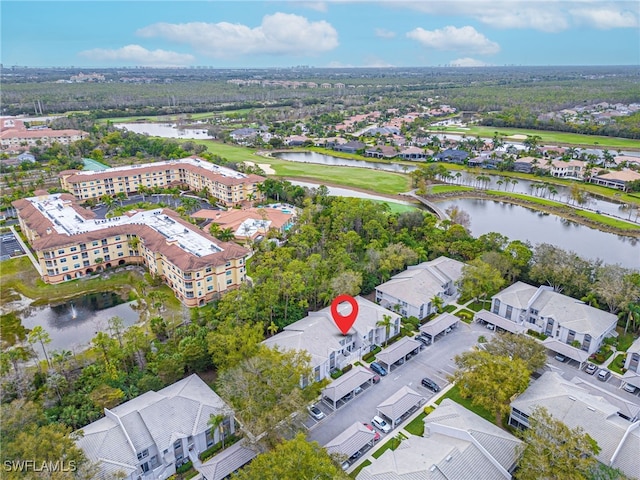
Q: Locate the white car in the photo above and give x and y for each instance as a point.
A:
(315, 412)
(380, 424)
(629, 388)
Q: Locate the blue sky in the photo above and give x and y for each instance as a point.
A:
(337, 33)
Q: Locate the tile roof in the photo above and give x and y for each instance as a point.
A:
(517, 295)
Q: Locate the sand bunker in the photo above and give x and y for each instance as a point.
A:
(518, 137)
(266, 168)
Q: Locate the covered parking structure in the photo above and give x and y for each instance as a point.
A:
(499, 322)
(347, 383)
(401, 404)
(568, 351)
(353, 440)
(439, 325)
(632, 378)
(397, 351)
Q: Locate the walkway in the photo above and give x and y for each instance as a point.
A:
(26, 250)
(430, 205)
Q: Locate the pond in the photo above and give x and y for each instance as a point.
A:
(166, 130)
(527, 187)
(73, 324)
(520, 223)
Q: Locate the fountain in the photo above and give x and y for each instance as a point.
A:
(74, 313)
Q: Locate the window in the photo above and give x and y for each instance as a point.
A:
(496, 306)
(209, 288)
(119, 246)
(73, 249)
(208, 270)
(64, 269)
(228, 264)
(75, 257)
(63, 260)
(228, 272)
(177, 444)
(143, 454)
(61, 251)
(509, 312)
(76, 265)
(118, 238)
(229, 282)
(95, 243)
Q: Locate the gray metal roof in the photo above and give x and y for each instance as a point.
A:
(400, 403)
(348, 382)
(398, 350)
(498, 321)
(566, 350)
(439, 324)
(517, 295)
(351, 440)
(227, 461)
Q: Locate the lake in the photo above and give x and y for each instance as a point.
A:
(165, 130)
(72, 325)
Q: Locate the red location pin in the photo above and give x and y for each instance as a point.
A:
(344, 322)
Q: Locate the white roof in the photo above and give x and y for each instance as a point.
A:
(517, 295)
(398, 350)
(498, 321)
(153, 418)
(67, 221)
(351, 440)
(448, 450)
(400, 403)
(348, 382)
(420, 283)
(576, 407)
(439, 324)
(228, 461)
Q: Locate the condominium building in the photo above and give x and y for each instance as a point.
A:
(15, 137)
(70, 242)
(229, 186)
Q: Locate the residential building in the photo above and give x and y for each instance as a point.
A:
(456, 444)
(155, 433)
(571, 325)
(525, 164)
(452, 156)
(413, 153)
(15, 137)
(618, 437)
(228, 186)
(381, 151)
(567, 169)
(616, 179)
(410, 292)
(632, 365)
(252, 223)
(318, 334)
(70, 242)
(349, 147)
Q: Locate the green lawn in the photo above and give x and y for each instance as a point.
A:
(465, 315)
(355, 473)
(624, 340)
(546, 136)
(618, 363)
(449, 308)
(479, 305)
(392, 444)
(435, 189)
(454, 394)
(398, 207)
(416, 426)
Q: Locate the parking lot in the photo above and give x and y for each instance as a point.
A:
(9, 247)
(435, 361)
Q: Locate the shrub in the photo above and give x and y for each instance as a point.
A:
(335, 374)
(482, 339)
(347, 368)
(184, 467)
(428, 409)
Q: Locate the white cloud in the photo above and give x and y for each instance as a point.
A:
(317, 6)
(606, 18)
(464, 39)
(384, 33)
(468, 62)
(137, 55)
(279, 34)
(542, 15)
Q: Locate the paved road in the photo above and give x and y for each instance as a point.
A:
(435, 362)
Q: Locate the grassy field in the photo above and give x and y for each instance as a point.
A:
(173, 118)
(546, 136)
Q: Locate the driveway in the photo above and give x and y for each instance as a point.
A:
(435, 361)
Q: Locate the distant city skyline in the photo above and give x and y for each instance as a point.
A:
(323, 34)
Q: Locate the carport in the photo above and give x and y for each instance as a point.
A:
(352, 440)
(439, 325)
(568, 351)
(228, 461)
(347, 383)
(402, 403)
(631, 378)
(500, 322)
(398, 350)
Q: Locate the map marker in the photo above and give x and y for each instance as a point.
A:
(344, 322)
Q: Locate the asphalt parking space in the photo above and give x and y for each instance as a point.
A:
(9, 246)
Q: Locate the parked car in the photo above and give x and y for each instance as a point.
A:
(358, 390)
(379, 369)
(422, 340)
(400, 362)
(376, 378)
(430, 384)
(491, 326)
(376, 437)
(591, 368)
(380, 424)
(629, 388)
(345, 465)
(561, 358)
(604, 374)
(315, 412)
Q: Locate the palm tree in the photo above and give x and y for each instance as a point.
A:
(217, 422)
(514, 183)
(226, 235)
(272, 329)
(386, 322)
(632, 314)
(214, 229)
(436, 303)
(499, 183)
(40, 335)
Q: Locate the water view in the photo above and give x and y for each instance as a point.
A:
(73, 324)
(165, 130)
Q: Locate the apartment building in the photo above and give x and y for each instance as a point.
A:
(70, 242)
(15, 137)
(228, 186)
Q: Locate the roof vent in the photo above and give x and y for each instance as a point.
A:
(448, 459)
(572, 398)
(433, 468)
(591, 408)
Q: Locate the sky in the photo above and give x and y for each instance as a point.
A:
(334, 33)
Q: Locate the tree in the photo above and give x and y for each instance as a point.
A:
(490, 380)
(295, 459)
(387, 323)
(264, 390)
(565, 271)
(479, 280)
(41, 336)
(436, 303)
(226, 235)
(631, 315)
(218, 424)
(553, 450)
(614, 285)
(527, 349)
(231, 342)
